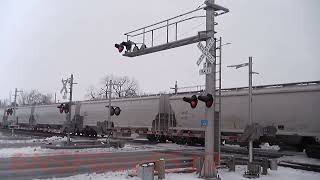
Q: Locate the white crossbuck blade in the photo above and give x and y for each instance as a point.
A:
(205, 52)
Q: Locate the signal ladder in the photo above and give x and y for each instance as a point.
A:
(218, 80)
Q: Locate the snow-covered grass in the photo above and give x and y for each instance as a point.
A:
(280, 174)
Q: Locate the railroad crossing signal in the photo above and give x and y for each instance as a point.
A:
(9, 111)
(127, 45)
(208, 99)
(205, 52)
(64, 108)
(115, 110)
(193, 101)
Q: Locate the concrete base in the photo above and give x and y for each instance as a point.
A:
(254, 171)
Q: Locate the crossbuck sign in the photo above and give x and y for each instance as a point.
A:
(64, 89)
(205, 52)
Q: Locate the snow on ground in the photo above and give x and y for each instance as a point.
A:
(39, 151)
(20, 140)
(267, 146)
(300, 158)
(281, 174)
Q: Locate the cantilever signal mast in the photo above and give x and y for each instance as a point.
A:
(209, 52)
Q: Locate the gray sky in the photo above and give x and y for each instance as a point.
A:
(42, 41)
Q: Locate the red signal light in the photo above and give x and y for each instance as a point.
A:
(194, 104)
(117, 111)
(208, 99)
(66, 108)
(61, 108)
(193, 101)
(127, 45)
(120, 47)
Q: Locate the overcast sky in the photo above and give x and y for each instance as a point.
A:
(42, 41)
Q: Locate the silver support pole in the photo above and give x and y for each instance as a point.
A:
(152, 38)
(250, 107)
(144, 36)
(209, 169)
(176, 31)
(167, 31)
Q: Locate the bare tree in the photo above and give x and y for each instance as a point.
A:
(94, 94)
(122, 86)
(34, 97)
(4, 103)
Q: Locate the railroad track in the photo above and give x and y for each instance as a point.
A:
(301, 166)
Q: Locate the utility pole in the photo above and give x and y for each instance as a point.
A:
(175, 88)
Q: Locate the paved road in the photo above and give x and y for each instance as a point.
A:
(24, 168)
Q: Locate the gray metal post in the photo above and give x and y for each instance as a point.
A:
(176, 88)
(159, 117)
(110, 93)
(70, 109)
(209, 170)
(15, 105)
(250, 106)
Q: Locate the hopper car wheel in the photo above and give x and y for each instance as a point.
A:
(151, 138)
(306, 141)
(191, 141)
(181, 140)
(162, 139)
(313, 151)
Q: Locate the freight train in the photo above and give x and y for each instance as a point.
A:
(292, 111)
